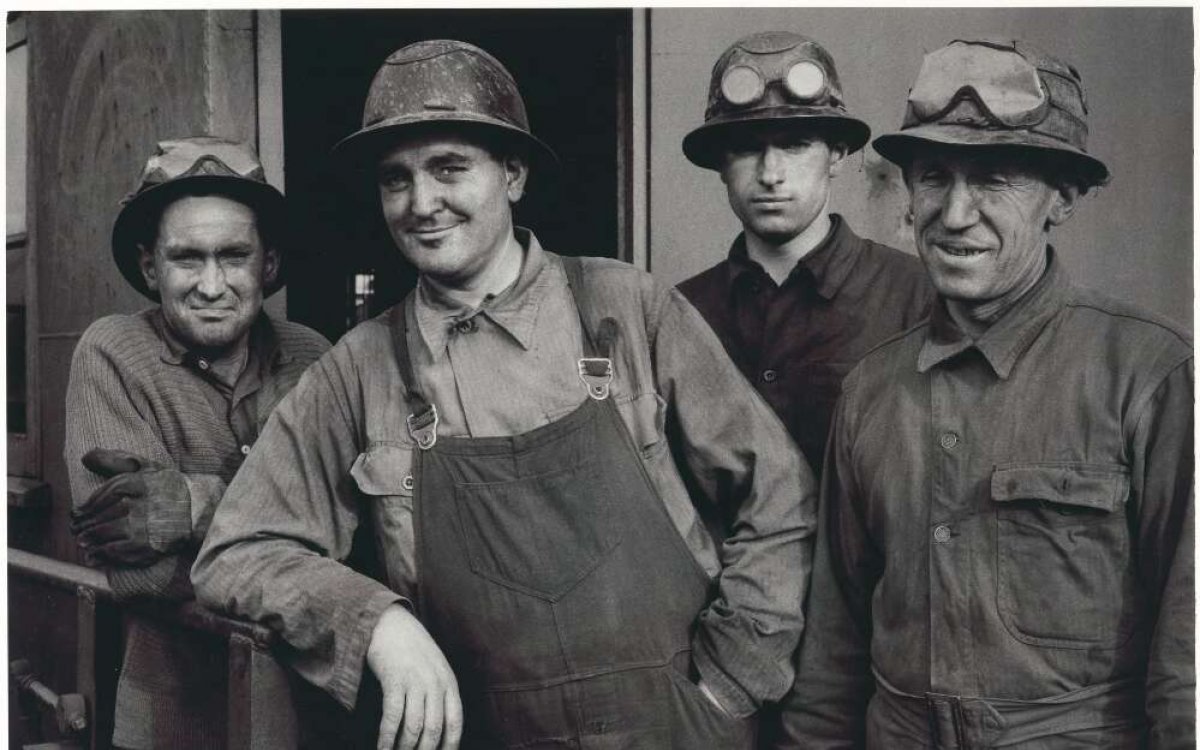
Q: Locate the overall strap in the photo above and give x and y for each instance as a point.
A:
(595, 369)
(422, 415)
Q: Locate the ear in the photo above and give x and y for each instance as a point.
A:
(146, 262)
(1065, 199)
(270, 266)
(516, 171)
(837, 155)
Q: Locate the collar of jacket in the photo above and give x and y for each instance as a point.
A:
(829, 263)
(1003, 343)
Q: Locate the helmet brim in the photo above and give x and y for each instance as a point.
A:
(705, 145)
(360, 151)
(899, 147)
(132, 224)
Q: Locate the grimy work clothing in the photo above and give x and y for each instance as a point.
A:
(338, 451)
(795, 341)
(1006, 546)
(135, 387)
(542, 554)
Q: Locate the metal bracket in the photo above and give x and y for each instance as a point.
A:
(423, 427)
(597, 374)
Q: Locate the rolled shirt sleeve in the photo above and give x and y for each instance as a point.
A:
(274, 548)
(737, 454)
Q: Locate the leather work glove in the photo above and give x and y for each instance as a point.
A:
(141, 513)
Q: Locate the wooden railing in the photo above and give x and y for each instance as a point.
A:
(261, 713)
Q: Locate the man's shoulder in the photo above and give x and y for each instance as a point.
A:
(703, 284)
(1131, 338)
(123, 335)
(882, 363)
(608, 276)
(1126, 318)
(299, 340)
(899, 268)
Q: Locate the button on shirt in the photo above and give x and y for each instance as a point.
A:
(1008, 517)
(338, 451)
(795, 341)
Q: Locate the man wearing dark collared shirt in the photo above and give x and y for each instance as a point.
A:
(800, 297)
(1005, 553)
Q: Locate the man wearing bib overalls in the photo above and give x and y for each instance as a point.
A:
(541, 445)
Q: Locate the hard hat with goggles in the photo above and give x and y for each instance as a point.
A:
(772, 77)
(997, 93)
(198, 165)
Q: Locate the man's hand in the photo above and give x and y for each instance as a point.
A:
(420, 694)
(140, 514)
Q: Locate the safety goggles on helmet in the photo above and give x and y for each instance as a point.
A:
(742, 85)
(999, 80)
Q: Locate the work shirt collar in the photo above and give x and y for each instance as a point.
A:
(1003, 343)
(264, 351)
(829, 263)
(514, 310)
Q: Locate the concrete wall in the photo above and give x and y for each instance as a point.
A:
(1132, 239)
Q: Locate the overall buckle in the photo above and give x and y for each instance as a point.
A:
(423, 427)
(597, 374)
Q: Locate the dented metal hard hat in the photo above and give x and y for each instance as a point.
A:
(197, 165)
(440, 81)
(772, 76)
(997, 93)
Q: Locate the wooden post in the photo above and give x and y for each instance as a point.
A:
(261, 713)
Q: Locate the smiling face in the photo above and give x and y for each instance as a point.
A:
(209, 267)
(778, 179)
(981, 220)
(447, 201)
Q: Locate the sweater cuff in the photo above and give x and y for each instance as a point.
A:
(165, 578)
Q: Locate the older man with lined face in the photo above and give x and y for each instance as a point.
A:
(1005, 553)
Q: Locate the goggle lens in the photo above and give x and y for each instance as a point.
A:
(1003, 81)
(742, 85)
(805, 80)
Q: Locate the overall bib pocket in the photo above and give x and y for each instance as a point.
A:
(1064, 571)
(540, 535)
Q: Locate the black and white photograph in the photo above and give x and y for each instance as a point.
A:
(600, 378)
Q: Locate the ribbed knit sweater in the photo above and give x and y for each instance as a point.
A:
(134, 387)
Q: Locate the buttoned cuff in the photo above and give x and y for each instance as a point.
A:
(738, 667)
(352, 656)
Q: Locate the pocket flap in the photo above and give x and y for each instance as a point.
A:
(384, 470)
(1089, 487)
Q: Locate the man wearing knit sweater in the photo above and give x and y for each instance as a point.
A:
(163, 405)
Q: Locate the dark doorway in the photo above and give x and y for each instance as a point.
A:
(572, 69)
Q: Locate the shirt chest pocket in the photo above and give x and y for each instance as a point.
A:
(1065, 574)
(383, 474)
